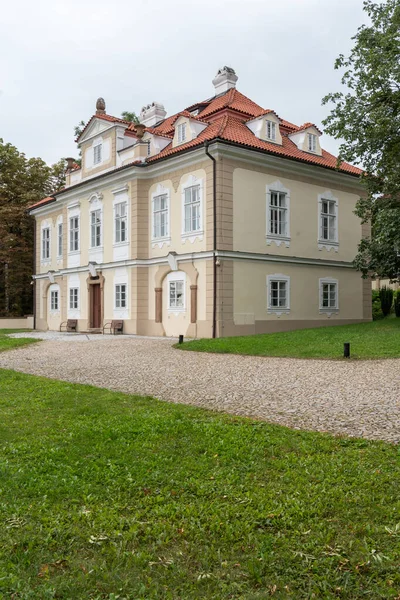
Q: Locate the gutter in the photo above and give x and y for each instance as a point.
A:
(214, 323)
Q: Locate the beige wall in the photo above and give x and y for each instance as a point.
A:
(250, 217)
(23, 323)
(109, 138)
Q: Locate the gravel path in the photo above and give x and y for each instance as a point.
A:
(353, 398)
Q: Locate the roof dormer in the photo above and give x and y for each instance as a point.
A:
(306, 138)
(266, 127)
(187, 128)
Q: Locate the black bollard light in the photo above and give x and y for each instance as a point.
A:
(346, 350)
(181, 339)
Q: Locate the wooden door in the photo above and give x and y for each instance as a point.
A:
(96, 305)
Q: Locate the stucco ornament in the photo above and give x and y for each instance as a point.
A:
(100, 106)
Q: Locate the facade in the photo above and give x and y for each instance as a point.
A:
(223, 219)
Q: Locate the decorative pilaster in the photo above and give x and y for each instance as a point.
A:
(158, 292)
(193, 303)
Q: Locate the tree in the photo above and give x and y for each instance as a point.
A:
(130, 116)
(366, 118)
(22, 183)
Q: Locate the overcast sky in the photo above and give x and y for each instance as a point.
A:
(57, 57)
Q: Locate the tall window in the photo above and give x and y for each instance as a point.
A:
(73, 298)
(54, 300)
(74, 234)
(121, 222)
(120, 295)
(60, 239)
(328, 294)
(95, 228)
(181, 132)
(176, 294)
(278, 294)
(46, 243)
(328, 220)
(312, 142)
(277, 222)
(271, 130)
(160, 216)
(97, 153)
(192, 209)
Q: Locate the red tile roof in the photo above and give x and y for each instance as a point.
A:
(307, 126)
(41, 202)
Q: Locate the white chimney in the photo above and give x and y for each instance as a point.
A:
(224, 80)
(152, 114)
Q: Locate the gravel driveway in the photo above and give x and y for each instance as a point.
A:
(353, 398)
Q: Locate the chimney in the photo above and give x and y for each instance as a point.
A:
(141, 150)
(224, 80)
(100, 106)
(152, 114)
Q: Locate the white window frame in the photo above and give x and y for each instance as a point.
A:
(97, 153)
(94, 226)
(278, 278)
(190, 182)
(331, 243)
(278, 239)
(312, 142)
(121, 219)
(70, 231)
(161, 191)
(270, 130)
(60, 237)
(46, 244)
(74, 296)
(54, 300)
(182, 128)
(328, 309)
(118, 292)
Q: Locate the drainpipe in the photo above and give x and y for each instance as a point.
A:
(214, 323)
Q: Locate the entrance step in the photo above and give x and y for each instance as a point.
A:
(92, 330)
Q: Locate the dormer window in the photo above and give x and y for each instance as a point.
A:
(97, 154)
(271, 130)
(181, 132)
(312, 142)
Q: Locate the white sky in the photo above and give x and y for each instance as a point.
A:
(57, 57)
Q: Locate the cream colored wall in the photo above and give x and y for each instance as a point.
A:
(250, 217)
(250, 292)
(53, 264)
(377, 284)
(109, 137)
(178, 244)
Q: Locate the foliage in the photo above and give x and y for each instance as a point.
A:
(107, 496)
(397, 303)
(376, 306)
(23, 182)
(367, 119)
(379, 339)
(386, 298)
(130, 116)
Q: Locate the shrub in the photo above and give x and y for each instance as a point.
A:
(386, 297)
(397, 303)
(377, 313)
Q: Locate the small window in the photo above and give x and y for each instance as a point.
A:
(121, 223)
(278, 294)
(73, 298)
(46, 243)
(97, 153)
(160, 216)
(277, 222)
(328, 295)
(328, 220)
(120, 295)
(60, 239)
(74, 234)
(192, 209)
(95, 228)
(176, 294)
(271, 130)
(54, 300)
(312, 142)
(181, 132)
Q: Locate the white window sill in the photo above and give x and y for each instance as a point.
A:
(120, 244)
(74, 252)
(192, 236)
(278, 239)
(178, 309)
(95, 248)
(278, 311)
(54, 313)
(45, 262)
(328, 245)
(328, 311)
(161, 241)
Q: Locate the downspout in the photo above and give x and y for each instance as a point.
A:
(214, 323)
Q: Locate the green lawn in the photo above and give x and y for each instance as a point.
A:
(7, 343)
(378, 339)
(106, 496)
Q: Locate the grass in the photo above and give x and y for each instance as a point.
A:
(106, 496)
(7, 343)
(378, 339)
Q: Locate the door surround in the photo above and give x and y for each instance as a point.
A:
(97, 280)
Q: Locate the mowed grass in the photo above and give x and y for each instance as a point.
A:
(106, 496)
(378, 339)
(7, 343)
